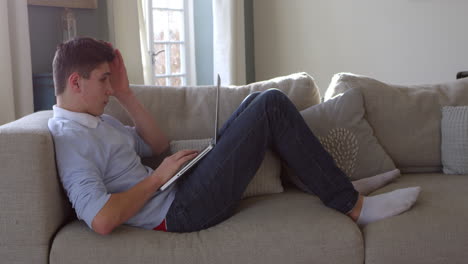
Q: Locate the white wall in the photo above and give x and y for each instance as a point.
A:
(398, 41)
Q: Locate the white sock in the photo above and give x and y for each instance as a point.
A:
(381, 206)
(367, 185)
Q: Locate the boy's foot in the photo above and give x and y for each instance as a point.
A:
(367, 185)
(374, 208)
(384, 205)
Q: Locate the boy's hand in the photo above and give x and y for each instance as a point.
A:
(172, 164)
(119, 78)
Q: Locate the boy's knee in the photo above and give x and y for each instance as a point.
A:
(273, 94)
(250, 97)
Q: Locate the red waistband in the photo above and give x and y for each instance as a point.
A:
(162, 226)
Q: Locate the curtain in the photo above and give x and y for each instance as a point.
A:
(16, 93)
(124, 33)
(144, 42)
(229, 42)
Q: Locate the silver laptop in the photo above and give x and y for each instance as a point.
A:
(205, 151)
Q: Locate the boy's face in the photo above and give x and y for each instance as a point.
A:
(96, 90)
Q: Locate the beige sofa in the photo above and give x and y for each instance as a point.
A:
(37, 223)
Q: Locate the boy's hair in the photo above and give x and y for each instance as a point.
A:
(81, 55)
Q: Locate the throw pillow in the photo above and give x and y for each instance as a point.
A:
(266, 180)
(340, 126)
(454, 142)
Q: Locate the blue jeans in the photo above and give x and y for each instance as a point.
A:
(210, 193)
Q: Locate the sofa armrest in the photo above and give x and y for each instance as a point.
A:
(33, 205)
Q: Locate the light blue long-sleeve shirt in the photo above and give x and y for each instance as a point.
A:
(98, 156)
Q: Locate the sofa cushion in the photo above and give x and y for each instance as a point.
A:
(454, 139)
(341, 128)
(189, 112)
(267, 180)
(406, 119)
(432, 231)
(291, 227)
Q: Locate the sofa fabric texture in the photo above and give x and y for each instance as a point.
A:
(33, 205)
(405, 119)
(454, 139)
(432, 232)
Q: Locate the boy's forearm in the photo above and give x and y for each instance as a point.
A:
(122, 206)
(145, 124)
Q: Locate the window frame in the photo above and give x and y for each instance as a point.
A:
(187, 46)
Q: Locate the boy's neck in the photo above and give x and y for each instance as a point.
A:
(69, 105)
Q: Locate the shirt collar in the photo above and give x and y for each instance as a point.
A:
(81, 118)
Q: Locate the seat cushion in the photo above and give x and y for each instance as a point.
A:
(291, 227)
(433, 231)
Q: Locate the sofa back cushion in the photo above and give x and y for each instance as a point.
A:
(189, 112)
(406, 119)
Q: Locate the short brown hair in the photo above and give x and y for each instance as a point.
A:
(81, 55)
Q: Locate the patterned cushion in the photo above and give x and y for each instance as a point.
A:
(340, 126)
(343, 146)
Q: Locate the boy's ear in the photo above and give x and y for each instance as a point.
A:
(74, 82)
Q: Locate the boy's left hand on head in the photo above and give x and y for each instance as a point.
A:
(119, 78)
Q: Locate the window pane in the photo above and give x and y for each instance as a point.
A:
(160, 59)
(176, 81)
(176, 25)
(160, 3)
(176, 66)
(160, 82)
(179, 4)
(160, 24)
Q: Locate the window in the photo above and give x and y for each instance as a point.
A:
(170, 42)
